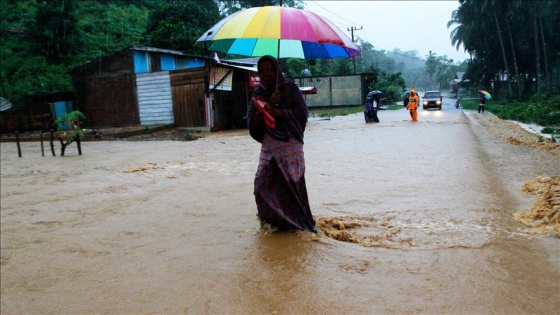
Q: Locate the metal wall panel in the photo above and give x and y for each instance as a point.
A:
(155, 103)
(141, 62)
(333, 91)
(167, 62)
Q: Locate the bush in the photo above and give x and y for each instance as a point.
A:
(71, 121)
(538, 110)
(551, 130)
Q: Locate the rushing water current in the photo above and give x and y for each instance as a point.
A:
(415, 218)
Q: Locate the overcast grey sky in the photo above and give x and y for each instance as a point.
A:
(407, 25)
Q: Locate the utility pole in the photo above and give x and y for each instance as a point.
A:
(352, 29)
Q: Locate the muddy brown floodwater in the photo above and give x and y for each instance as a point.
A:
(415, 218)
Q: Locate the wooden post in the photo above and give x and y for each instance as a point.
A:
(42, 146)
(18, 146)
(79, 144)
(62, 147)
(52, 144)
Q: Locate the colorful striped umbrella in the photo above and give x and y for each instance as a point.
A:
(485, 94)
(258, 31)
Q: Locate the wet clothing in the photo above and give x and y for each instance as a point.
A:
(413, 103)
(370, 114)
(481, 105)
(280, 190)
(375, 107)
(294, 106)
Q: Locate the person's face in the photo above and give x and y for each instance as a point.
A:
(267, 73)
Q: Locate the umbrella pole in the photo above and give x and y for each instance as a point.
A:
(278, 55)
(278, 60)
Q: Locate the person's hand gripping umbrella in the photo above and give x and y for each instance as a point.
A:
(260, 104)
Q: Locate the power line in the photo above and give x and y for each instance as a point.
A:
(351, 29)
(338, 16)
(388, 51)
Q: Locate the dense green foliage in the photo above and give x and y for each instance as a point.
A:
(543, 111)
(539, 111)
(71, 121)
(392, 85)
(441, 70)
(178, 24)
(514, 45)
(41, 41)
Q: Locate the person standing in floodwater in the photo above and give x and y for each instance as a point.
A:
(280, 190)
(413, 102)
(375, 107)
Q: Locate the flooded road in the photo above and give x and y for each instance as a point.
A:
(416, 218)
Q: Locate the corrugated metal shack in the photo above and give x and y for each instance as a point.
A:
(130, 87)
(151, 86)
(230, 87)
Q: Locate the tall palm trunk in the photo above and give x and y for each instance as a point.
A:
(546, 71)
(537, 52)
(503, 53)
(516, 68)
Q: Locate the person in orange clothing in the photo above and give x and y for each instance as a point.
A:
(413, 103)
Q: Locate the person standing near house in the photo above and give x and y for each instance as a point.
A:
(279, 187)
(370, 113)
(368, 109)
(405, 99)
(413, 103)
(481, 104)
(375, 107)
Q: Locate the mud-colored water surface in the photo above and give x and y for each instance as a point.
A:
(415, 218)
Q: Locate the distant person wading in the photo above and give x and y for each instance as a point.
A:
(413, 102)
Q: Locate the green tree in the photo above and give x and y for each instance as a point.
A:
(111, 26)
(14, 48)
(391, 84)
(54, 32)
(493, 7)
(228, 7)
(440, 69)
(178, 24)
(41, 41)
(517, 38)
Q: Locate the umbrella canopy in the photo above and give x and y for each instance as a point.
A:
(485, 94)
(280, 32)
(4, 104)
(373, 93)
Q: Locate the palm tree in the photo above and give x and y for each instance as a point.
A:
(536, 47)
(545, 12)
(508, 15)
(493, 7)
(460, 33)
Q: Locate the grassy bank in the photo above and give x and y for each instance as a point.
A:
(542, 112)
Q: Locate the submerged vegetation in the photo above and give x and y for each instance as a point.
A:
(71, 122)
